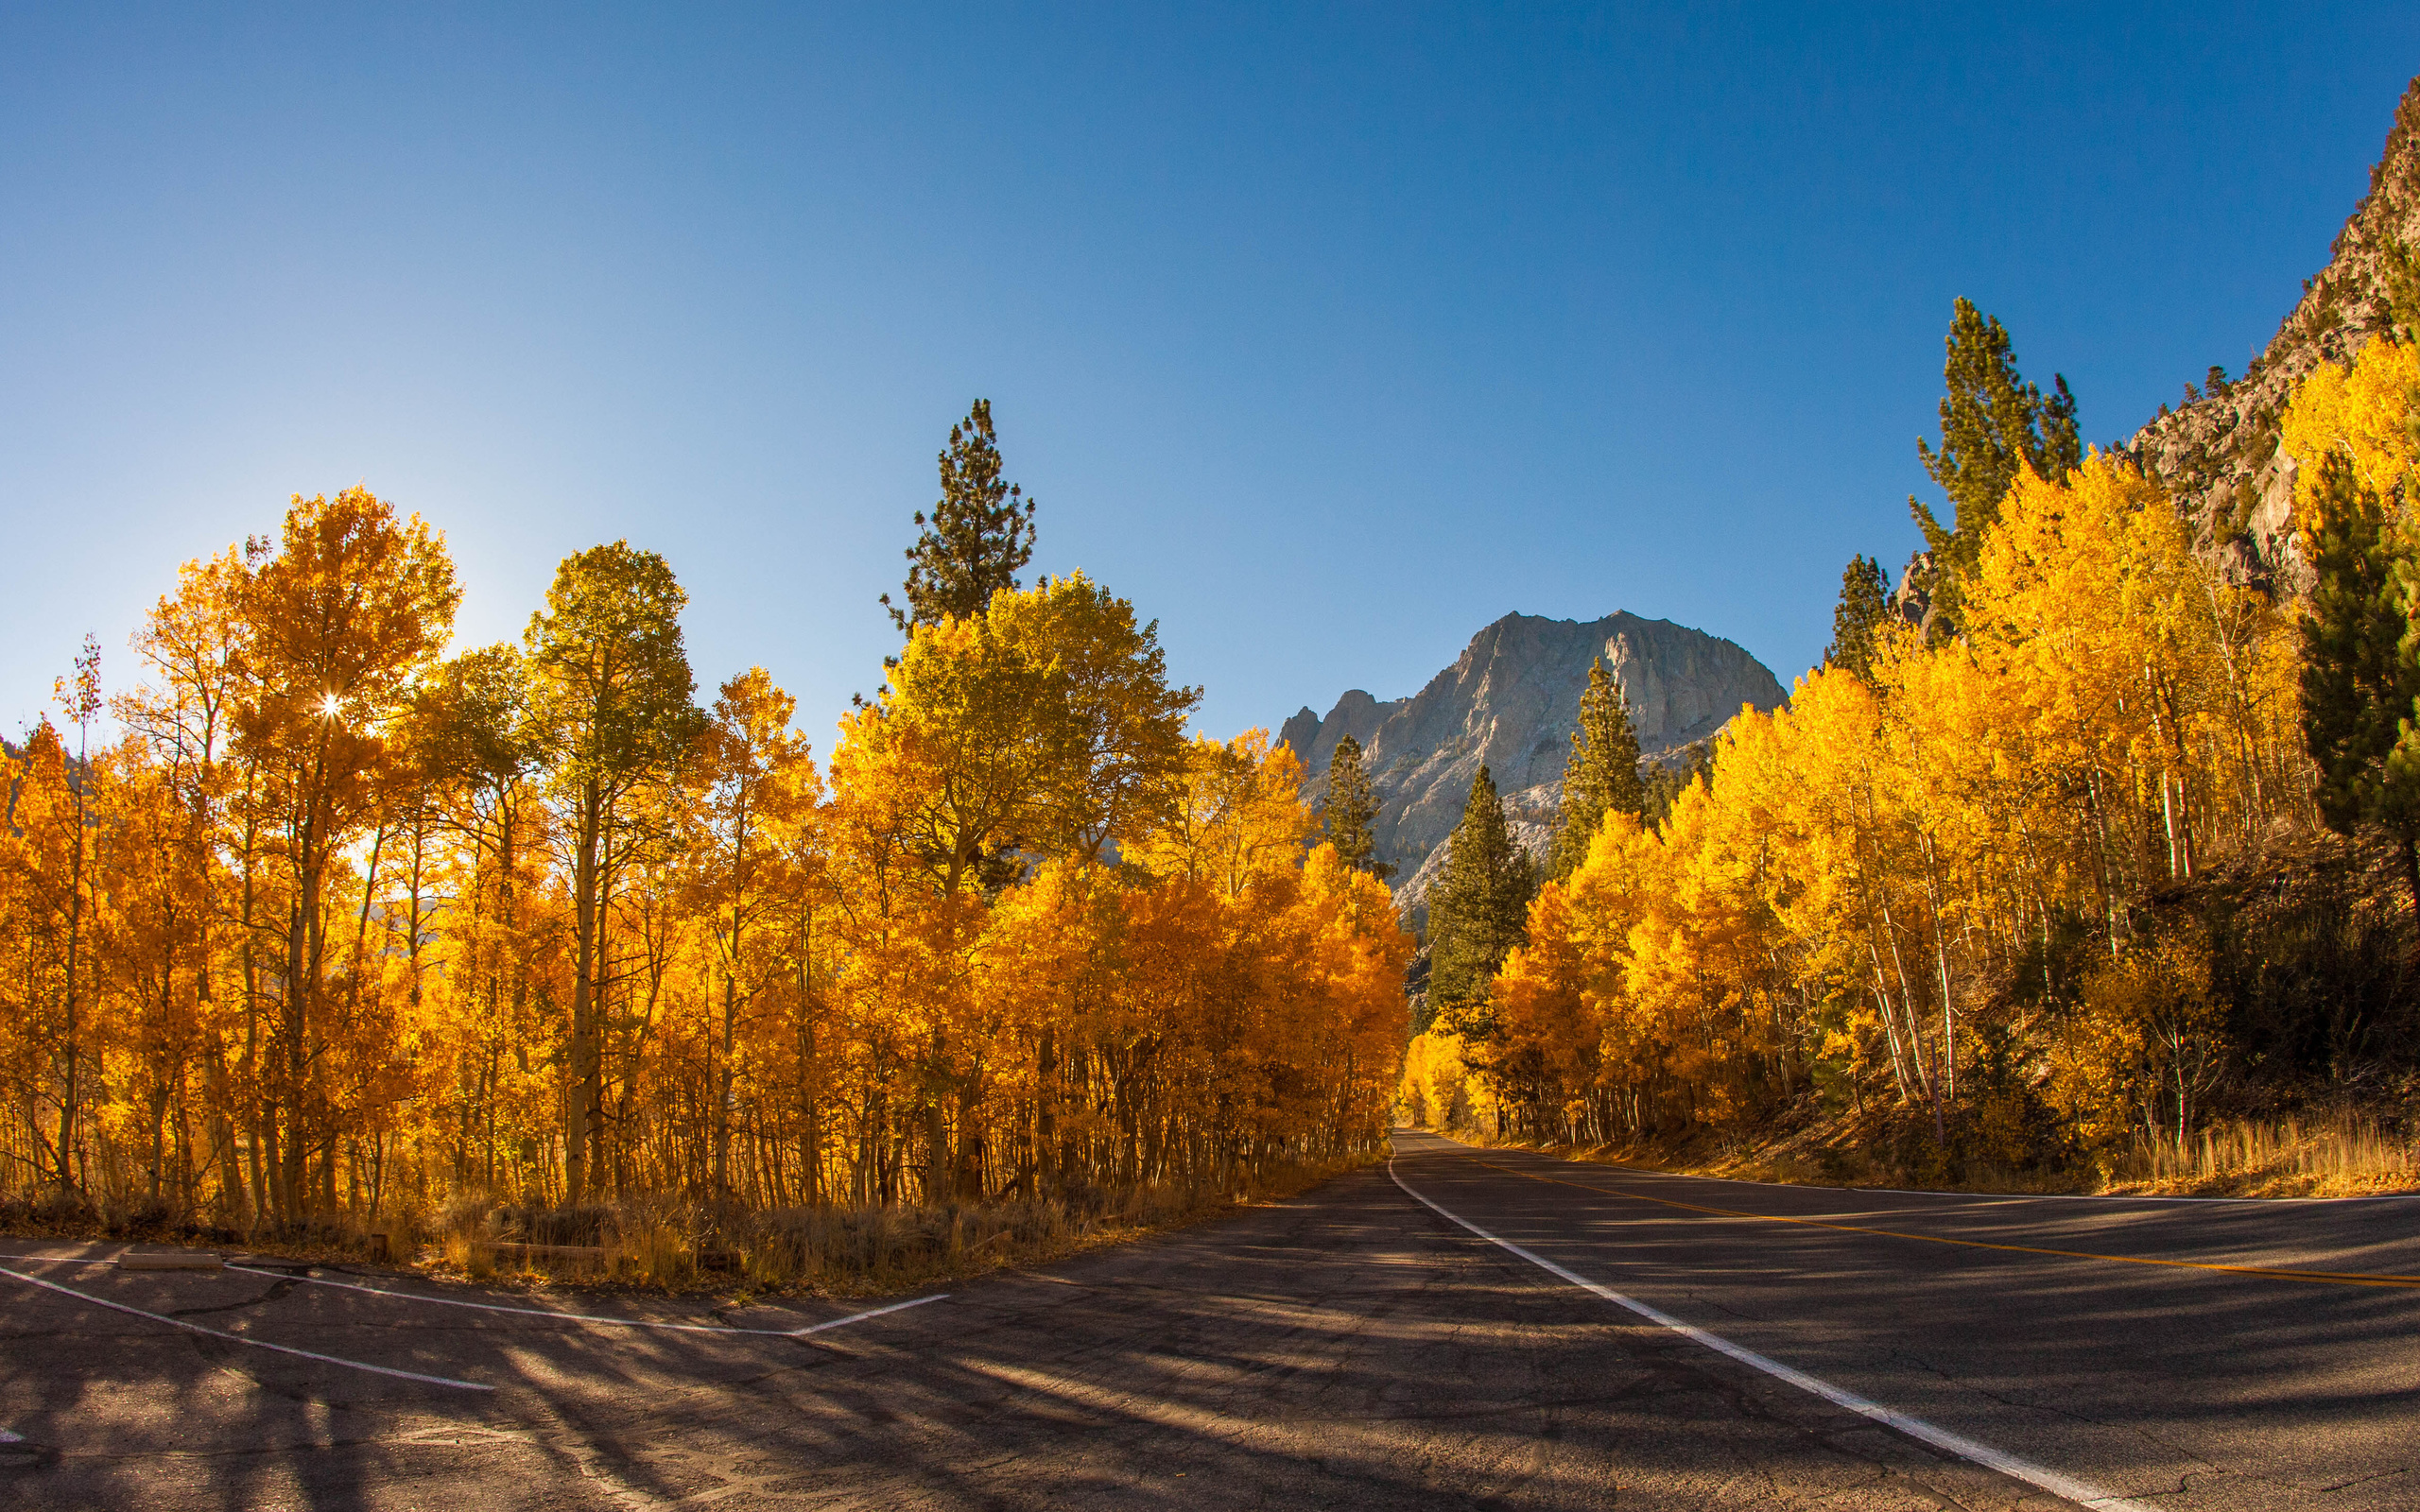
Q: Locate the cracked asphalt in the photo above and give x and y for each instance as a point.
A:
(1348, 1348)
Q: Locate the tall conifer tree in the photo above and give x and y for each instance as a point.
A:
(1601, 775)
(1858, 618)
(1992, 422)
(2360, 668)
(1478, 908)
(1351, 807)
(980, 534)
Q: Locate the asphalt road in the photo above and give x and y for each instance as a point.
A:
(1353, 1347)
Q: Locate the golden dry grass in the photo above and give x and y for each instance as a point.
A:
(662, 1245)
(2342, 1157)
(2336, 1158)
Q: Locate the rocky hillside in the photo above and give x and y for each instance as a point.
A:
(2218, 454)
(1511, 701)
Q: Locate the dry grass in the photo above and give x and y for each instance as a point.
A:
(664, 1244)
(2343, 1157)
(2339, 1158)
(661, 1243)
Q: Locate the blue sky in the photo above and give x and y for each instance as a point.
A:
(1325, 336)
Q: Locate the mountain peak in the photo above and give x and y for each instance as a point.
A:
(1509, 700)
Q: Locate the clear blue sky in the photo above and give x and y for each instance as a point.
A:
(1324, 336)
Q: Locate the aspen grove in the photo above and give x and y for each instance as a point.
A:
(1933, 883)
(337, 924)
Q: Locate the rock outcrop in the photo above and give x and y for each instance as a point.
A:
(2218, 454)
(1511, 701)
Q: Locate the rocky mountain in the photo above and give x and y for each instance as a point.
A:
(1511, 701)
(2217, 452)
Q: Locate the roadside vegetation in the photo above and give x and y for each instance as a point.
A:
(2081, 864)
(351, 941)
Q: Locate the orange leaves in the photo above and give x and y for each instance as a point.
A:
(1866, 864)
(341, 919)
(1238, 818)
(2364, 411)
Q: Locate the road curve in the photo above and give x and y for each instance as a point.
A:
(1349, 1347)
(2243, 1354)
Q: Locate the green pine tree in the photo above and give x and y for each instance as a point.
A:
(2360, 670)
(1351, 807)
(1669, 779)
(1478, 908)
(979, 536)
(1600, 776)
(1858, 618)
(2400, 271)
(1992, 423)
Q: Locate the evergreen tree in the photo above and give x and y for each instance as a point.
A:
(1601, 775)
(2360, 669)
(2400, 271)
(1663, 783)
(979, 536)
(1478, 907)
(1351, 807)
(1858, 618)
(1992, 422)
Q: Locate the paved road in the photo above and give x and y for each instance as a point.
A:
(2175, 1384)
(1352, 1348)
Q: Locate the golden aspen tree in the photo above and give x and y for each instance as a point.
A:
(48, 851)
(610, 710)
(344, 615)
(755, 781)
(194, 642)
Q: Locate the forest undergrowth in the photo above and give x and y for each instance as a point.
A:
(2347, 1153)
(657, 1243)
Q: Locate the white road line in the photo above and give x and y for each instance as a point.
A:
(64, 1260)
(1965, 1447)
(238, 1338)
(8, 1437)
(860, 1318)
(592, 1317)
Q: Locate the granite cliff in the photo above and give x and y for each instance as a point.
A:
(2217, 452)
(1510, 701)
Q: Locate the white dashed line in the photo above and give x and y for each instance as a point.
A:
(1916, 1427)
(592, 1317)
(238, 1338)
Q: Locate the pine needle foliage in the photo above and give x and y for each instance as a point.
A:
(1351, 810)
(1858, 618)
(1993, 424)
(1600, 776)
(1478, 908)
(978, 537)
(2361, 671)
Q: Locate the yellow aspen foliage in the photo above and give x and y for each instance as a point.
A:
(2366, 412)
(2144, 1045)
(341, 931)
(1440, 1089)
(1884, 889)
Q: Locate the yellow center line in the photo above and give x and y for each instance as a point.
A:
(2322, 1277)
